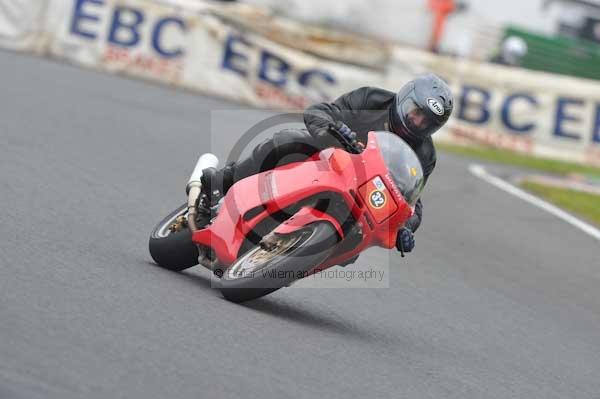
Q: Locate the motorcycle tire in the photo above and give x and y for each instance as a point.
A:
(173, 250)
(306, 249)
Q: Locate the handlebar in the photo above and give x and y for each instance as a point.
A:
(351, 146)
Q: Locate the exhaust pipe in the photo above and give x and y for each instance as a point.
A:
(194, 186)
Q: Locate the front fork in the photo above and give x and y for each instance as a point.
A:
(194, 187)
(207, 257)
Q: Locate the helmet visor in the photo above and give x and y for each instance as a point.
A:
(415, 118)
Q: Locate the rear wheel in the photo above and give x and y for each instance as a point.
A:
(279, 262)
(173, 250)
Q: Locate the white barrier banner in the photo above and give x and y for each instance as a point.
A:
(21, 24)
(214, 49)
(532, 112)
(195, 48)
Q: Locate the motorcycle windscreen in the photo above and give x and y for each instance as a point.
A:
(403, 164)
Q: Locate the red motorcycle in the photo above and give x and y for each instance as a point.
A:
(288, 223)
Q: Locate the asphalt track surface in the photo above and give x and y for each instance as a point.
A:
(501, 300)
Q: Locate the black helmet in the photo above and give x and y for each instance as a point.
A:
(421, 107)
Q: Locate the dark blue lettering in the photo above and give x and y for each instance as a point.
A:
(506, 119)
(562, 116)
(306, 77)
(467, 103)
(157, 32)
(596, 133)
(232, 59)
(118, 25)
(273, 69)
(79, 15)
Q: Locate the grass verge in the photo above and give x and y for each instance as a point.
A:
(583, 204)
(560, 168)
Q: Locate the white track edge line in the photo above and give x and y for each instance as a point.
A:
(480, 172)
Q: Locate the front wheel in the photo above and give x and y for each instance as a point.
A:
(286, 259)
(173, 250)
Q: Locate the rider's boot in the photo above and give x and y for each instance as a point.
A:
(215, 184)
(287, 146)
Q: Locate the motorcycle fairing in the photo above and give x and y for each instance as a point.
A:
(255, 198)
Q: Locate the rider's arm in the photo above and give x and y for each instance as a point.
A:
(319, 117)
(415, 221)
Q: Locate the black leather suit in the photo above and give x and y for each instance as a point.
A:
(363, 110)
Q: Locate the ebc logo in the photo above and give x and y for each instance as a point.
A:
(272, 69)
(435, 106)
(377, 199)
(128, 27)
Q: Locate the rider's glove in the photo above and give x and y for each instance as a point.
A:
(352, 144)
(345, 131)
(405, 240)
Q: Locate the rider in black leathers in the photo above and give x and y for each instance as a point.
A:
(416, 112)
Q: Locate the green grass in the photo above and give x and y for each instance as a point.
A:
(584, 204)
(512, 158)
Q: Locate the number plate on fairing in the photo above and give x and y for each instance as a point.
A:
(379, 200)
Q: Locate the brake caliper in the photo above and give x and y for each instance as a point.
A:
(180, 224)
